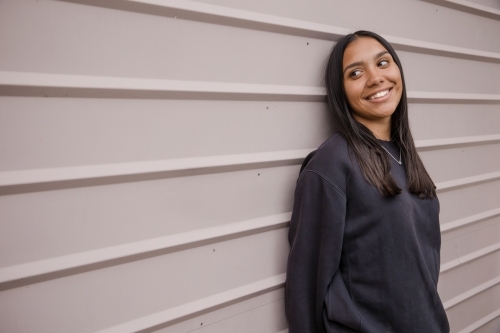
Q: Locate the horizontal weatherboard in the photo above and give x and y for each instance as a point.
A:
(79, 176)
(61, 85)
(469, 7)
(471, 293)
(481, 322)
(431, 144)
(467, 181)
(469, 257)
(14, 276)
(22, 181)
(182, 312)
(195, 11)
(469, 220)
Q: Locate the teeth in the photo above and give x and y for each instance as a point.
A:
(380, 94)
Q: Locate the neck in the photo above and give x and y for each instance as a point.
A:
(381, 133)
(380, 129)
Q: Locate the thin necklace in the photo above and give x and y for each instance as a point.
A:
(400, 161)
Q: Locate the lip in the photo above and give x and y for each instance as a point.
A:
(381, 99)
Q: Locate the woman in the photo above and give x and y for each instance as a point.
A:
(364, 232)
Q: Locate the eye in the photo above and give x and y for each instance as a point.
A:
(382, 63)
(355, 73)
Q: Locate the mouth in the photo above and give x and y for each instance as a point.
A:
(379, 95)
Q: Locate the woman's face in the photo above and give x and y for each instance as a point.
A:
(372, 81)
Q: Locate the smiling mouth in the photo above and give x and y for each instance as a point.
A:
(379, 94)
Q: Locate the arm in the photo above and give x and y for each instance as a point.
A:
(315, 236)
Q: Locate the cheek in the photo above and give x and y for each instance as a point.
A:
(399, 84)
(396, 77)
(352, 93)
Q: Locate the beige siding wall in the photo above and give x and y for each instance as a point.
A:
(149, 152)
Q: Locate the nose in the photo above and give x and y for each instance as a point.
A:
(375, 77)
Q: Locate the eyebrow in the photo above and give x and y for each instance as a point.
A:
(354, 64)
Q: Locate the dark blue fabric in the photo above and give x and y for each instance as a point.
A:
(359, 261)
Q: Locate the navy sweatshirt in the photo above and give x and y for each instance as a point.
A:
(359, 261)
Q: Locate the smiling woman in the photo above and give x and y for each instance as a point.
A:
(364, 233)
(373, 85)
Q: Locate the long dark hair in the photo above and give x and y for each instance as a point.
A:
(372, 159)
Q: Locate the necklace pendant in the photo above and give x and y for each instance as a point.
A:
(400, 160)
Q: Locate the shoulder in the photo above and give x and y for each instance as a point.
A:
(331, 155)
(331, 161)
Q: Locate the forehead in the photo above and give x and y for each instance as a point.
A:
(361, 50)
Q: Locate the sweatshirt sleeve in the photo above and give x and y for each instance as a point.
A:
(315, 236)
